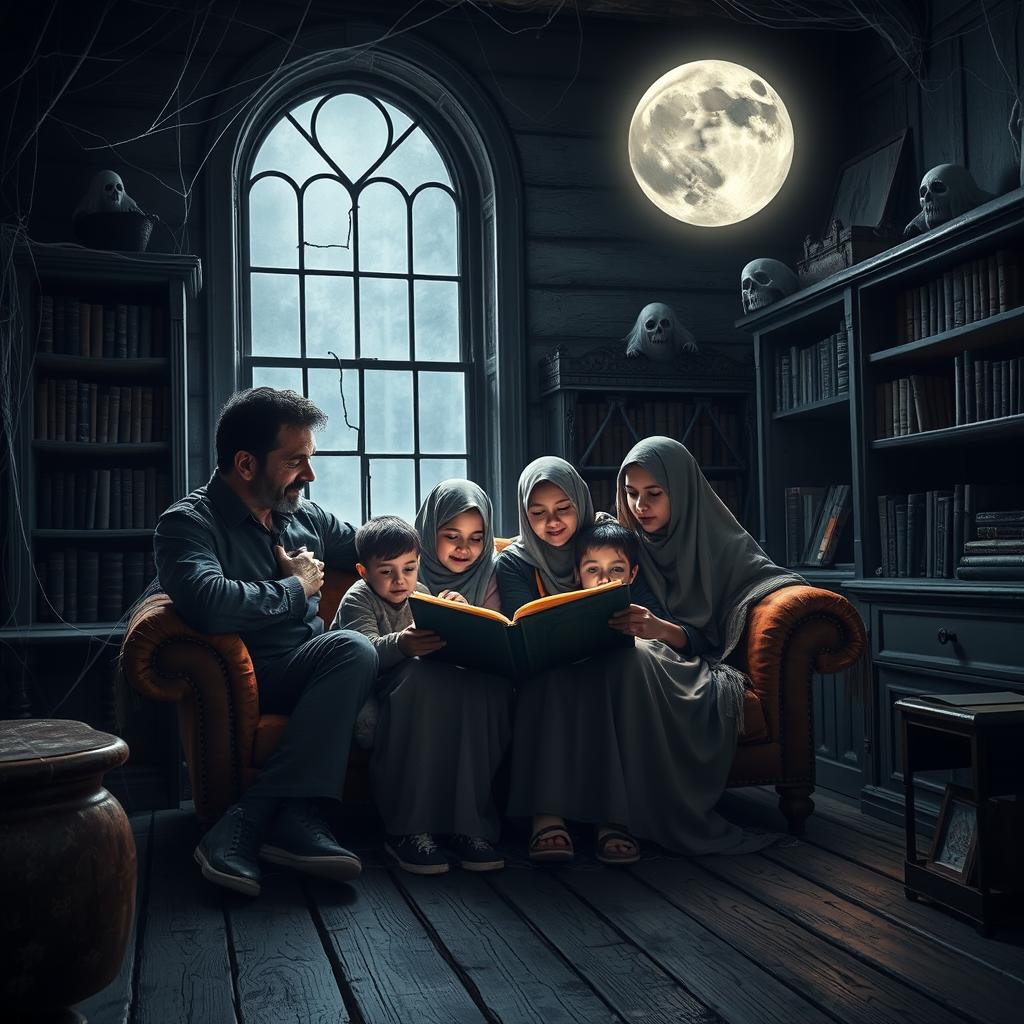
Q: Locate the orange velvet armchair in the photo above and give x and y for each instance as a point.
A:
(790, 635)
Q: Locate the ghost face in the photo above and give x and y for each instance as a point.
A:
(107, 191)
(657, 331)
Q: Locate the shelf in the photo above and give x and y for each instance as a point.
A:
(111, 632)
(95, 448)
(92, 534)
(825, 409)
(1001, 427)
(99, 366)
(933, 587)
(843, 571)
(993, 330)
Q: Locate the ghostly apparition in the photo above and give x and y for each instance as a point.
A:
(658, 334)
(765, 281)
(946, 191)
(106, 194)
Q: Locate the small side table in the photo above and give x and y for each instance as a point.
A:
(963, 731)
(67, 867)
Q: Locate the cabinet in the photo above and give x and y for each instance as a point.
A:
(597, 405)
(928, 436)
(97, 343)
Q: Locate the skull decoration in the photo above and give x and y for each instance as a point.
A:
(658, 334)
(106, 194)
(946, 191)
(763, 282)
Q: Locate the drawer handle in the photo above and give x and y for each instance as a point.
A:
(946, 637)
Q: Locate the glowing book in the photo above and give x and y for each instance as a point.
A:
(543, 634)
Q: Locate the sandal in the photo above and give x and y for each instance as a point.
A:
(551, 854)
(617, 859)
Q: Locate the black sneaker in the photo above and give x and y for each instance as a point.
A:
(227, 853)
(418, 854)
(301, 839)
(476, 854)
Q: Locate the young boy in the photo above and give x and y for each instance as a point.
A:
(413, 791)
(605, 552)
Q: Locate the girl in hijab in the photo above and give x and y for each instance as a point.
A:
(443, 731)
(554, 768)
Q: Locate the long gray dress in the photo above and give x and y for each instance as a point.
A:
(645, 738)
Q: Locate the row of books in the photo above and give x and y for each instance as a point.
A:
(712, 433)
(815, 520)
(90, 586)
(74, 410)
(974, 290)
(71, 326)
(812, 373)
(118, 498)
(909, 405)
(729, 489)
(942, 533)
(986, 389)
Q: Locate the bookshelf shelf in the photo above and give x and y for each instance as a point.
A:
(995, 330)
(918, 498)
(97, 366)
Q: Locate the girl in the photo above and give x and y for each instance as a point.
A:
(561, 750)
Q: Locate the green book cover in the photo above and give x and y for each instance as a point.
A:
(543, 634)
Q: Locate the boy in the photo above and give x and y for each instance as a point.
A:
(412, 791)
(606, 552)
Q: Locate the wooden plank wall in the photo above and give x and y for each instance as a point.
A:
(596, 251)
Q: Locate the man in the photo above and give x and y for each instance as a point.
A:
(245, 554)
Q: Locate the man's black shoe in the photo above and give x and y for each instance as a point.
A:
(300, 839)
(227, 853)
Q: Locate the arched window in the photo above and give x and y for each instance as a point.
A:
(356, 295)
(376, 213)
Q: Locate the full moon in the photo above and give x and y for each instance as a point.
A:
(710, 143)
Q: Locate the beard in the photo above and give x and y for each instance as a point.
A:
(281, 499)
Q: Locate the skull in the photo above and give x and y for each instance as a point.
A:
(106, 194)
(658, 334)
(765, 281)
(946, 191)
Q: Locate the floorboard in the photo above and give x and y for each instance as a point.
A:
(619, 970)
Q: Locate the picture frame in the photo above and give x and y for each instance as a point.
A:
(866, 184)
(955, 843)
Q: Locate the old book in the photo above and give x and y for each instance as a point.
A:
(834, 528)
(990, 572)
(147, 415)
(891, 536)
(133, 330)
(958, 388)
(999, 517)
(136, 414)
(126, 498)
(993, 284)
(842, 362)
(109, 331)
(114, 422)
(103, 417)
(124, 426)
(44, 341)
(92, 486)
(991, 533)
(947, 300)
(93, 410)
(959, 308)
(979, 390)
(557, 630)
(944, 507)
(968, 293)
(929, 533)
(902, 553)
(121, 331)
(1000, 559)
(883, 534)
(115, 499)
(995, 546)
(915, 534)
(82, 407)
(958, 522)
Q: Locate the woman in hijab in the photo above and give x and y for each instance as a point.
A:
(443, 731)
(555, 769)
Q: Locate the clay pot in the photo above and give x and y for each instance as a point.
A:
(67, 866)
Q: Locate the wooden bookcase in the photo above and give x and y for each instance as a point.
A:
(597, 405)
(98, 452)
(907, 316)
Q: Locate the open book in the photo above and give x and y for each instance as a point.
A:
(550, 631)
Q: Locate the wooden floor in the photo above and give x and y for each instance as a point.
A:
(808, 932)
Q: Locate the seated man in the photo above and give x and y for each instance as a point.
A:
(245, 554)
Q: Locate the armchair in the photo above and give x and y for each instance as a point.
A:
(790, 635)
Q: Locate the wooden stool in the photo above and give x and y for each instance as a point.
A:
(67, 868)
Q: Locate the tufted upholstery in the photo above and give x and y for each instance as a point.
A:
(790, 635)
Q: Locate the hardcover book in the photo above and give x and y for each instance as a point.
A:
(551, 631)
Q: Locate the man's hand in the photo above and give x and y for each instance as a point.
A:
(413, 642)
(301, 564)
(452, 595)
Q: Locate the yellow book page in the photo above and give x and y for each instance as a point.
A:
(533, 607)
(469, 609)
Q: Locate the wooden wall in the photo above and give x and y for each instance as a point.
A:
(596, 250)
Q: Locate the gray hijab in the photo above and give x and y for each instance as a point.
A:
(557, 566)
(703, 566)
(447, 500)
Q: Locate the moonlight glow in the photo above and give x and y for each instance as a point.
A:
(710, 143)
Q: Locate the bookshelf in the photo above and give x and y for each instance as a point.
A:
(99, 450)
(598, 404)
(928, 437)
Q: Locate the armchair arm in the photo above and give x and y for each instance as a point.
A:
(791, 634)
(211, 678)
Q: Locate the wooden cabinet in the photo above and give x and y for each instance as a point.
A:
(928, 436)
(597, 405)
(97, 351)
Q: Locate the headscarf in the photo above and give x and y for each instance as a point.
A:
(447, 500)
(557, 566)
(703, 567)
